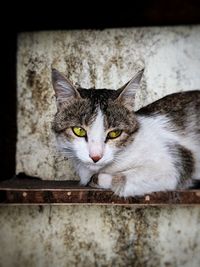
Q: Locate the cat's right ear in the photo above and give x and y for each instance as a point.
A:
(62, 87)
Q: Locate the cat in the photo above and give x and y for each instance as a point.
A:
(156, 148)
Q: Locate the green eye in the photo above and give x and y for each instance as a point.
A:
(79, 131)
(114, 134)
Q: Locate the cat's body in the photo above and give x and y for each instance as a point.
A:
(132, 153)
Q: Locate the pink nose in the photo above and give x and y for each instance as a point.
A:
(95, 158)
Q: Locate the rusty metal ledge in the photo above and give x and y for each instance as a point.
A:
(28, 190)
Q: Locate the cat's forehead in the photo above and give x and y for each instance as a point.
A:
(98, 97)
(98, 93)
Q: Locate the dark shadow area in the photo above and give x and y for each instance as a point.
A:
(31, 16)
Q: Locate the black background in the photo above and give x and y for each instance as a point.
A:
(32, 16)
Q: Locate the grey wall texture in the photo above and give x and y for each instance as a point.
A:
(87, 236)
(101, 59)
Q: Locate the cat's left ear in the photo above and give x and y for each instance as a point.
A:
(128, 91)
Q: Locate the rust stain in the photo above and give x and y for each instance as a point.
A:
(142, 246)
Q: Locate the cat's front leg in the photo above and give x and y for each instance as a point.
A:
(136, 183)
(101, 180)
(130, 183)
(115, 182)
(84, 174)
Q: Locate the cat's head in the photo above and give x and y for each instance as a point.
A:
(93, 125)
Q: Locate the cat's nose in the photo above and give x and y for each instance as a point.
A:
(95, 158)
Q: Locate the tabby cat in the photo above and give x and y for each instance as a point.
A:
(156, 148)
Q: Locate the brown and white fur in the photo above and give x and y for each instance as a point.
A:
(158, 149)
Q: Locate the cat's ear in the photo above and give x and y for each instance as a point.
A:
(128, 91)
(62, 87)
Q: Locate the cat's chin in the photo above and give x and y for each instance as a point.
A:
(94, 167)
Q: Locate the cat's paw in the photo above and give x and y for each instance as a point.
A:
(101, 180)
(94, 181)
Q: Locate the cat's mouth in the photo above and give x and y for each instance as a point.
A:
(98, 165)
(95, 166)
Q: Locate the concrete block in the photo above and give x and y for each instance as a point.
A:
(82, 236)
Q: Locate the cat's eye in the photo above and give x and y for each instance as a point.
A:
(79, 131)
(114, 134)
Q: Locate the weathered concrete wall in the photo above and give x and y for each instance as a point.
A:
(108, 58)
(88, 236)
